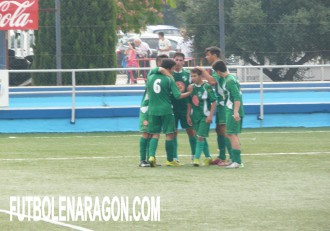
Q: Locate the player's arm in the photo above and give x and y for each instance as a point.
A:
(213, 101)
(210, 79)
(188, 113)
(209, 118)
(235, 93)
(164, 71)
(237, 105)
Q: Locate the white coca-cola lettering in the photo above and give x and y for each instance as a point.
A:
(17, 19)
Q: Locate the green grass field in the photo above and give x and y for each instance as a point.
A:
(285, 184)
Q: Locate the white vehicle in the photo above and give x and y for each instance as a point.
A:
(168, 30)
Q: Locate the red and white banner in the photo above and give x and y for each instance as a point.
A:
(19, 15)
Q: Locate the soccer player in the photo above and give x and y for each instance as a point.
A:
(234, 110)
(182, 80)
(161, 117)
(212, 55)
(143, 115)
(200, 113)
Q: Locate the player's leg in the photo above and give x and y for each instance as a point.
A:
(144, 142)
(233, 129)
(192, 141)
(220, 130)
(203, 131)
(155, 125)
(175, 137)
(168, 129)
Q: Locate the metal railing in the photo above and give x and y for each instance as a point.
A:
(240, 68)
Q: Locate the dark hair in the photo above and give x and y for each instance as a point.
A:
(160, 57)
(196, 71)
(168, 63)
(219, 66)
(214, 51)
(161, 33)
(178, 54)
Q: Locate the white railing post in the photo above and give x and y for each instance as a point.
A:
(261, 79)
(73, 108)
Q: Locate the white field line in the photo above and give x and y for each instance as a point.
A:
(135, 135)
(74, 227)
(161, 156)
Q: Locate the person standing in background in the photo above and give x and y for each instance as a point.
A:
(164, 45)
(143, 53)
(131, 62)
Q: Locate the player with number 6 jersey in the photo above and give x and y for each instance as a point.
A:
(161, 117)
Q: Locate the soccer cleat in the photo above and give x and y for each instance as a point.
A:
(207, 161)
(233, 165)
(216, 161)
(196, 162)
(224, 163)
(152, 161)
(173, 163)
(178, 162)
(144, 163)
(192, 158)
(242, 165)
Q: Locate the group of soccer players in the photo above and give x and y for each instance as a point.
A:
(174, 94)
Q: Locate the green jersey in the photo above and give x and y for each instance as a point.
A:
(233, 89)
(145, 98)
(182, 81)
(219, 91)
(160, 88)
(201, 99)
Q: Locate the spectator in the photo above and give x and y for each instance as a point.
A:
(131, 62)
(164, 45)
(143, 52)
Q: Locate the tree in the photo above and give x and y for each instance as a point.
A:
(265, 32)
(88, 30)
(135, 14)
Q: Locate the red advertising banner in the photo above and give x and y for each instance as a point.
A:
(19, 15)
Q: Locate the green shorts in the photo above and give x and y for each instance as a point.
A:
(201, 127)
(233, 126)
(182, 117)
(164, 123)
(220, 116)
(142, 128)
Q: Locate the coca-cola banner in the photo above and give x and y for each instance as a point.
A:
(19, 15)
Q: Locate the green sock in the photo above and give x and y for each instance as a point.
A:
(148, 144)
(199, 149)
(192, 142)
(175, 148)
(206, 149)
(143, 148)
(169, 147)
(222, 147)
(237, 156)
(228, 145)
(153, 146)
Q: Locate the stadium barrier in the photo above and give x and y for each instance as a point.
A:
(240, 70)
